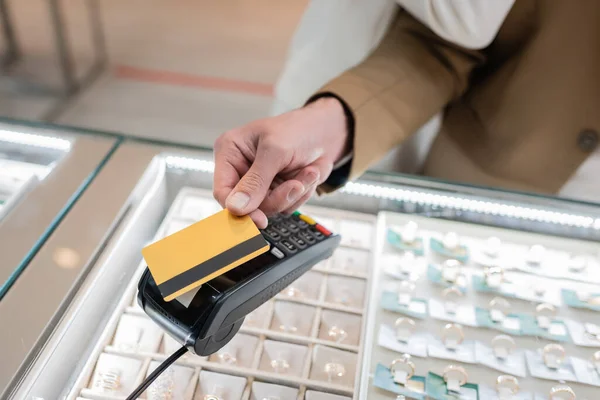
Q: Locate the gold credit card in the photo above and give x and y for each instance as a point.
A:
(186, 259)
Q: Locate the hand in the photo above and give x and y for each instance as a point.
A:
(275, 164)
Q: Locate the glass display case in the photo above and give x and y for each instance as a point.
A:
(438, 291)
(42, 171)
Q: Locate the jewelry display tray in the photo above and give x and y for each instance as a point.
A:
(308, 379)
(474, 237)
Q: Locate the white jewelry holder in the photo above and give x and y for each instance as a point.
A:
(195, 208)
(239, 351)
(340, 327)
(345, 291)
(260, 317)
(283, 358)
(508, 361)
(137, 333)
(350, 261)
(226, 386)
(256, 325)
(308, 287)
(175, 226)
(333, 366)
(452, 346)
(357, 234)
(411, 343)
(174, 383)
(263, 391)
(292, 318)
(407, 266)
(114, 375)
(312, 395)
(462, 314)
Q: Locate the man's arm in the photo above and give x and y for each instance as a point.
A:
(411, 76)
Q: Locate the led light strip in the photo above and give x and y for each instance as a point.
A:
(30, 139)
(190, 164)
(464, 204)
(421, 197)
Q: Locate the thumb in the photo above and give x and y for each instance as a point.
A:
(253, 187)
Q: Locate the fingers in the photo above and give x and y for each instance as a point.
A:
(259, 218)
(290, 191)
(300, 202)
(230, 164)
(253, 187)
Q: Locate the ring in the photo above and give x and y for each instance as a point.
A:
(108, 381)
(498, 308)
(535, 254)
(577, 264)
(407, 262)
(562, 390)
(553, 355)
(162, 388)
(503, 342)
(492, 246)
(227, 358)
(452, 291)
(594, 300)
(596, 361)
(544, 313)
(592, 331)
(451, 270)
(409, 232)
(404, 328)
(280, 365)
(405, 360)
(334, 370)
(271, 398)
(545, 309)
(211, 397)
(451, 295)
(494, 276)
(508, 382)
(337, 334)
(456, 368)
(405, 291)
(452, 328)
(451, 240)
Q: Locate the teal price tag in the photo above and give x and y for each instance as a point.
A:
(572, 299)
(414, 388)
(461, 253)
(435, 275)
(436, 389)
(510, 324)
(416, 308)
(395, 239)
(556, 330)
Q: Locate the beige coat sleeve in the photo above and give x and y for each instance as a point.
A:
(412, 75)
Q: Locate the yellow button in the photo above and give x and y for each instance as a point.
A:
(308, 219)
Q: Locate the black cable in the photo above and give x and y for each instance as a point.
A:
(159, 370)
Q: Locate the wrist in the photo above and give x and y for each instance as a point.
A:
(334, 120)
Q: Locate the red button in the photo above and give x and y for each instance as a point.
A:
(322, 229)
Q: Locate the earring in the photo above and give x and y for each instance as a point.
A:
(108, 381)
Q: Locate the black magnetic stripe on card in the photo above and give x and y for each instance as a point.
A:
(212, 265)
